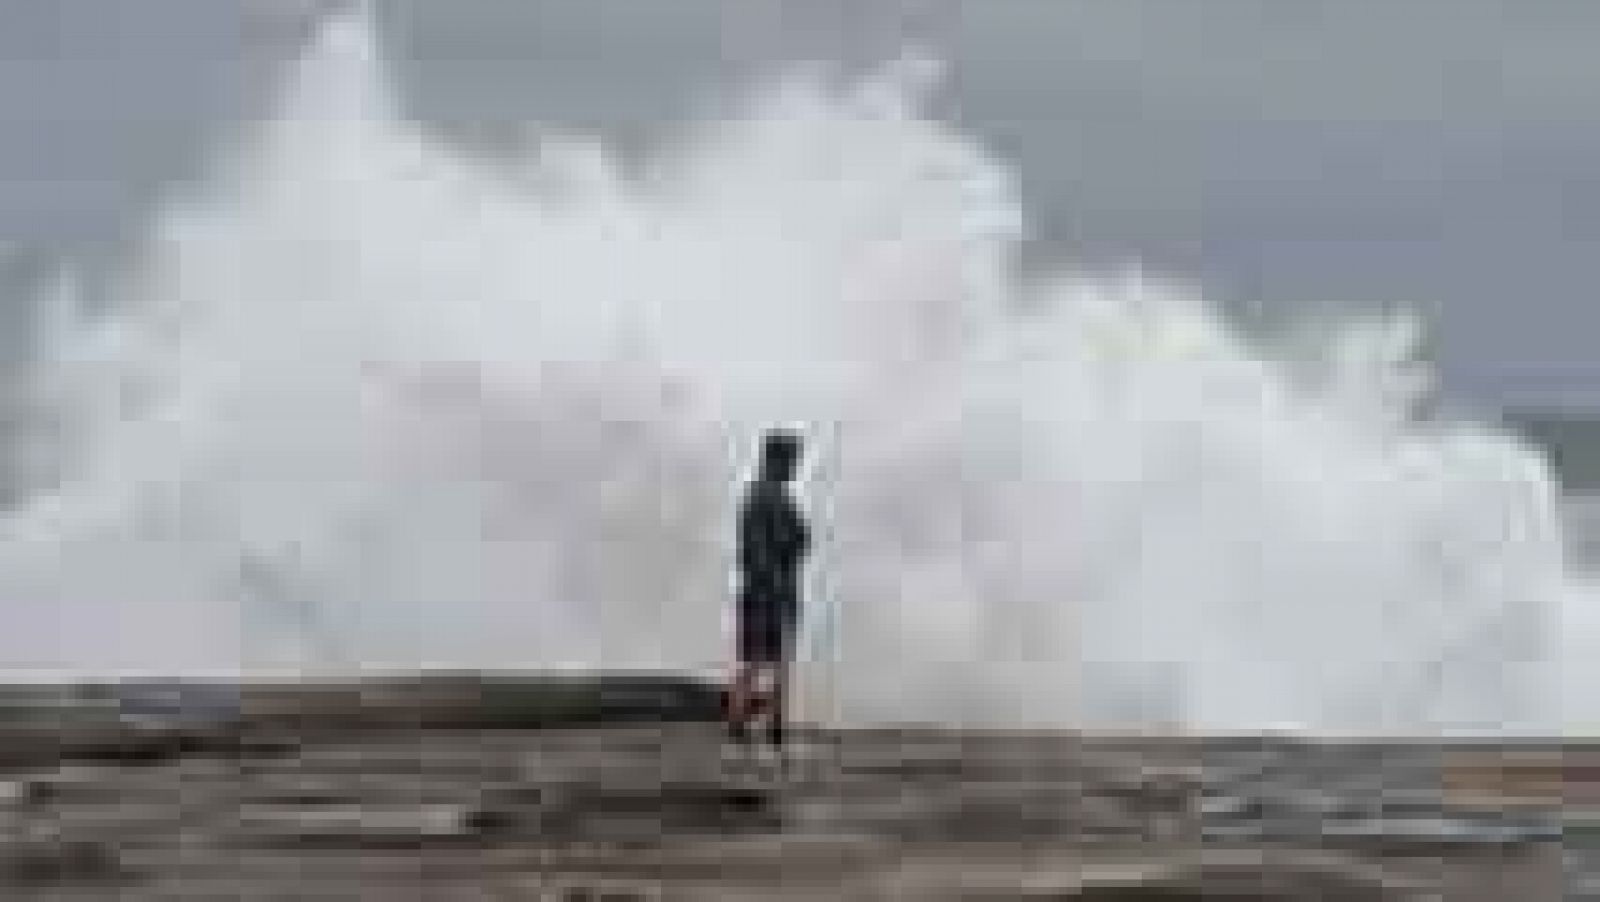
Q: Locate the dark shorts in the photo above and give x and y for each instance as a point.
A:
(766, 639)
(769, 613)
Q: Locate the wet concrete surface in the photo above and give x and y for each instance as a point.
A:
(669, 811)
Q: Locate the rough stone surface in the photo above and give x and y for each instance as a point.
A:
(663, 811)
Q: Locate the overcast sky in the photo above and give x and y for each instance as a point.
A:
(1286, 153)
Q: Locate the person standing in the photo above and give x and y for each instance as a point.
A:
(773, 543)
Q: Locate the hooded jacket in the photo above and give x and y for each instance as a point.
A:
(773, 543)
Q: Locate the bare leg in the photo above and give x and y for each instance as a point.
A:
(755, 699)
(742, 697)
(778, 698)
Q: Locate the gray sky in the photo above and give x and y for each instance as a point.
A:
(1287, 153)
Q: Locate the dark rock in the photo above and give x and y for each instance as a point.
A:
(255, 744)
(125, 745)
(492, 823)
(53, 860)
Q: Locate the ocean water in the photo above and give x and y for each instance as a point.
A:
(1581, 514)
(1571, 441)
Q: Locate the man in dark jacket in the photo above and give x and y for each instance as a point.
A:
(773, 542)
